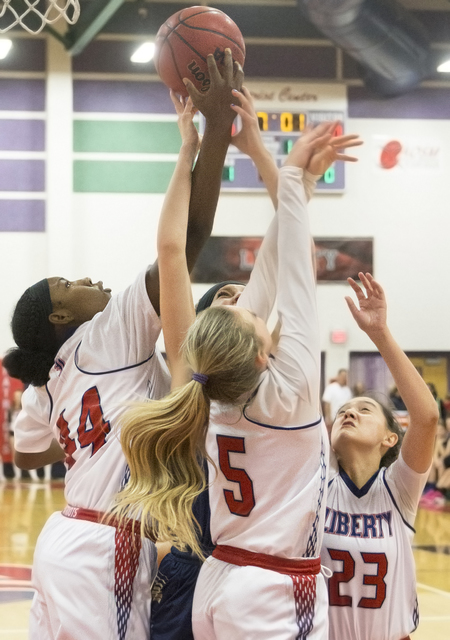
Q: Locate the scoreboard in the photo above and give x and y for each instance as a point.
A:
(283, 110)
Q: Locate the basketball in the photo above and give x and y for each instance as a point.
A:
(186, 38)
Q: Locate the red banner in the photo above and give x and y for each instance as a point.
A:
(8, 386)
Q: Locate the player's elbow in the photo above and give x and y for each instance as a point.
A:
(432, 418)
(24, 461)
(169, 248)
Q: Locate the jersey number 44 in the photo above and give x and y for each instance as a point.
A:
(92, 427)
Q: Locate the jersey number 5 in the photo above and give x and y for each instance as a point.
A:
(348, 572)
(91, 412)
(243, 507)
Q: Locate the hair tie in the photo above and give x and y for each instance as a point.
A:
(200, 377)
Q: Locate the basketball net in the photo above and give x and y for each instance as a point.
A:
(56, 9)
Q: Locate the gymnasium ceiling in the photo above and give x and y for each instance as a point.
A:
(395, 44)
(256, 18)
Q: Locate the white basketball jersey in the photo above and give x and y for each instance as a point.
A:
(108, 363)
(268, 495)
(367, 545)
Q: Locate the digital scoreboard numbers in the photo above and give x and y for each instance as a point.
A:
(284, 110)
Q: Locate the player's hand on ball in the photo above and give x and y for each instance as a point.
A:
(324, 155)
(372, 312)
(215, 104)
(186, 111)
(248, 140)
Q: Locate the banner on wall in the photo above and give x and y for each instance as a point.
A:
(233, 258)
(407, 154)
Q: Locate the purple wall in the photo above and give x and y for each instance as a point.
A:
(121, 97)
(22, 95)
(22, 215)
(22, 175)
(22, 135)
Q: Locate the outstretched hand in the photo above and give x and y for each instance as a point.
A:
(323, 156)
(372, 312)
(215, 104)
(186, 111)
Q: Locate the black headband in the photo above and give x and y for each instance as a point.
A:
(207, 298)
(31, 326)
(40, 292)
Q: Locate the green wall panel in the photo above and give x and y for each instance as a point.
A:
(126, 137)
(121, 177)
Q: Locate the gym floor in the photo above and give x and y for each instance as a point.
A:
(25, 506)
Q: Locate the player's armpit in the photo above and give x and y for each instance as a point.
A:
(36, 460)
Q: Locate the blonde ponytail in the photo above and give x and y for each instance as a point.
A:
(164, 440)
(164, 444)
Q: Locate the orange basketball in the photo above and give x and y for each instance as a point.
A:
(186, 38)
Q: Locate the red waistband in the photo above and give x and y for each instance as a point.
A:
(243, 558)
(78, 513)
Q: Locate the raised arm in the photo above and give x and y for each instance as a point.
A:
(259, 295)
(418, 443)
(207, 175)
(177, 306)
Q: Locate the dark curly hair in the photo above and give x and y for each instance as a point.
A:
(34, 335)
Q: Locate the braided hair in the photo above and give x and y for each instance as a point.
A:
(34, 335)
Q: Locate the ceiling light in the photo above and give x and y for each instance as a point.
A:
(145, 52)
(5, 46)
(444, 67)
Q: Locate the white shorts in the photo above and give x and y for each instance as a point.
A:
(89, 584)
(250, 603)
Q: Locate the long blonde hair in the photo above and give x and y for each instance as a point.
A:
(164, 440)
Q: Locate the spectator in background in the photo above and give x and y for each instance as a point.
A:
(437, 489)
(443, 463)
(446, 403)
(396, 400)
(335, 395)
(359, 389)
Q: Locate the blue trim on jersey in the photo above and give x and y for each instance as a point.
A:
(395, 504)
(359, 493)
(102, 373)
(51, 401)
(269, 426)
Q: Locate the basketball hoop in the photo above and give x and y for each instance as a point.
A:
(33, 17)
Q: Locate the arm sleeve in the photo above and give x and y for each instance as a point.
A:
(32, 432)
(289, 390)
(261, 291)
(122, 335)
(407, 487)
